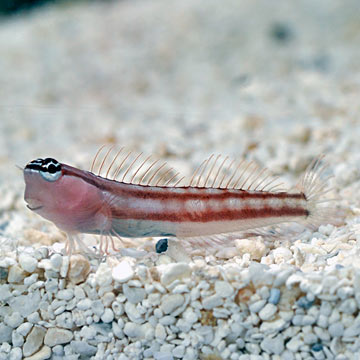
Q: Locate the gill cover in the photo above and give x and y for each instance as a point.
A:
(49, 169)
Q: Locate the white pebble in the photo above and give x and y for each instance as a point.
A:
(133, 330)
(336, 329)
(103, 275)
(267, 312)
(171, 302)
(15, 354)
(66, 294)
(179, 351)
(173, 271)
(107, 316)
(122, 272)
(212, 301)
(16, 274)
(33, 341)
(13, 320)
(294, 344)
(223, 288)
(24, 328)
(257, 306)
(28, 263)
(57, 336)
(133, 313)
(17, 339)
(133, 294)
(160, 332)
(56, 261)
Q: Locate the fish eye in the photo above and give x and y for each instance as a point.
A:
(49, 169)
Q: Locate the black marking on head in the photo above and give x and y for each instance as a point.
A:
(49, 169)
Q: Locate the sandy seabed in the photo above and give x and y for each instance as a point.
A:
(182, 80)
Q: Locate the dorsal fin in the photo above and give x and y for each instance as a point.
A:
(133, 168)
(222, 173)
(214, 172)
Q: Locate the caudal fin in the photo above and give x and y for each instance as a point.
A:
(314, 184)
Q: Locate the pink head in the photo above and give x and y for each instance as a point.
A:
(63, 196)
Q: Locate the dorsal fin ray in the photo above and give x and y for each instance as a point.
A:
(222, 173)
(133, 168)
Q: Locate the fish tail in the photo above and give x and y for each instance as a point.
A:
(314, 185)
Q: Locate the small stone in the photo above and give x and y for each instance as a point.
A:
(322, 321)
(107, 316)
(5, 347)
(348, 306)
(269, 327)
(42, 354)
(57, 336)
(34, 317)
(174, 271)
(257, 306)
(84, 304)
(223, 288)
(281, 255)
(212, 301)
(308, 320)
(58, 350)
(15, 354)
(122, 272)
(273, 345)
(83, 348)
(31, 279)
(16, 274)
(33, 341)
(160, 355)
(24, 328)
(56, 261)
(133, 330)
(88, 332)
(294, 344)
(267, 312)
(171, 302)
(310, 338)
(274, 297)
(103, 275)
(5, 293)
(117, 331)
(17, 339)
(13, 320)
(304, 303)
(66, 294)
(161, 246)
(179, 351)
(317, 347)
(28, 263)
(256, 248)
(79, 269)
(65, 262)
(98, 307)
(79, 293)
(133, 313)
(336, 329)
(322, 334)
(160, 332)
(353, 330)
(133, 294)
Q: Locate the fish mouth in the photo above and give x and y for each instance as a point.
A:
(33, 204)
(34, 208)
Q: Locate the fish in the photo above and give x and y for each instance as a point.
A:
(139, 197)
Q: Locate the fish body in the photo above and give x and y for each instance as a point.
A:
(79, 201)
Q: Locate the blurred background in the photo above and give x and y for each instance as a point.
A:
(275, 81)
